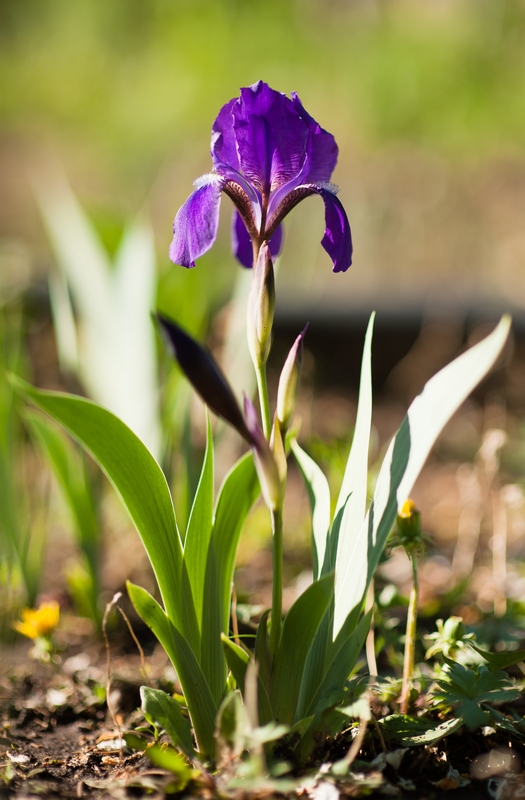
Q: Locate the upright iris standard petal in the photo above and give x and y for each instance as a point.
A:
(271, 137)
(223, 142)
(268, 154)
(321, 152)
(196, 223)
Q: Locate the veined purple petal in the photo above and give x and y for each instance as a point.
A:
(196, 223)
(276, 241)
(337, 239)
(320, 157)
(242, 244)
(322, 150)
(271, 137)
(223, 143)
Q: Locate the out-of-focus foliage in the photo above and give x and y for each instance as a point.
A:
(138, 78)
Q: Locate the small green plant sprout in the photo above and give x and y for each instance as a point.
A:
(451, 640)
(39, 625)
(471, 692)
(409, 536)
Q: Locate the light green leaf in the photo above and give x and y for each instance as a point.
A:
(200, 702)
(198, 534)
(408, 451)
(238, 660)
(299, 629)
(166, 758)
(319, 496)
(351, 504)
(138, 480)
(165, 711)
(236, 496)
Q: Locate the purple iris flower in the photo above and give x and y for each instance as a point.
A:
(268, 155)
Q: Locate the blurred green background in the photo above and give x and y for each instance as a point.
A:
(426, 99)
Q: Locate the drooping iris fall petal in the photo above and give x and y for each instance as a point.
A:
(196, 223)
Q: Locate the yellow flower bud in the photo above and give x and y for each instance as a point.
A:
(409, 527)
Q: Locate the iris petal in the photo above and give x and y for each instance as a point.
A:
(271, 137)
(223, 144)
(241, 243)
(319, 161)
(322, 150)
(196, 223)
(337, 239)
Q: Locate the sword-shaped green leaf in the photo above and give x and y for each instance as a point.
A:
(200, 702)
(408, 451)
(298, 633)
(140, 483)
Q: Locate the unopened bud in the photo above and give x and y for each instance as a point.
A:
(204, 374)
(289, 383)
(261, 305)
(409, 526)
(279, 453)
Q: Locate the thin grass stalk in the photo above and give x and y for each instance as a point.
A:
(410, 640)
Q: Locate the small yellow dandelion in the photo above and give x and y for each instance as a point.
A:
(38, 623)
(407, 509)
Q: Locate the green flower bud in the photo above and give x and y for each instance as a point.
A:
(264, 460)
(261, 305)
(289, 383)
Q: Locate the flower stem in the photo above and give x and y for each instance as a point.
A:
(262, 386)
(277, 587)
(410, 640)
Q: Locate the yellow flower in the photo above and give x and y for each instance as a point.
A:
(407, 509)
(38, 622)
